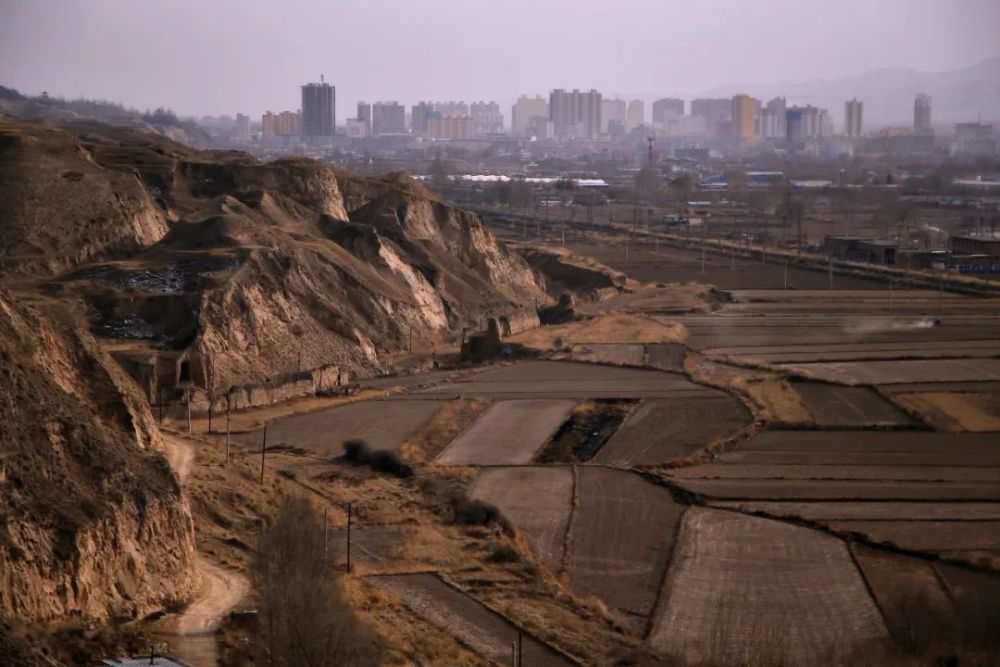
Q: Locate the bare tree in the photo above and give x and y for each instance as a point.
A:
(304, 617)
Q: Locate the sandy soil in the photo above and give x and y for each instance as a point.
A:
(955, 411)
(508, 433)
(751, 586)
(537, 500)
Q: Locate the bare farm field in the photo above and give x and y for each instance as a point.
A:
(680, 265)
(474, 625)
(770, 332)
(621, 538)
(509, 432)
(935, 536)
(790, 489)
(743, 586)
(870, 510)
(562, 379)
(382, 424)
(893, 372)
(537, 500)
(662, 430)
(836, 406)
(955, 411)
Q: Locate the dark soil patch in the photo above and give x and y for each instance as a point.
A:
(585, 432)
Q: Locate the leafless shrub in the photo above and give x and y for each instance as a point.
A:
(471, 512)
(304, 617)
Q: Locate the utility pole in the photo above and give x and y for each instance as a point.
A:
(263, 450)
(890, 295)
(228, 408)
(830, 265)
(786, 274)
(349, 512)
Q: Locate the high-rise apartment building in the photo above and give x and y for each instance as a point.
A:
(613, 114)
(636, 114)
(922, 114)
(241, 130)
(771, 123)
(715, 111)
(524, 111)
(575, 114)
(284, 124)
(365, 116)
(804, 123)
(449, 127)
(853, 117)
(486, 118)
(744, 118)
(319, 110)
(388, 118)
(451, 108)
(419, 113)
(667, 111)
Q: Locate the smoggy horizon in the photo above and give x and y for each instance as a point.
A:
(231, 58)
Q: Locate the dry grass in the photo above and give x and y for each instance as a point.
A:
(430, 439)
(771, 398)
(609, 328)
(954, 411)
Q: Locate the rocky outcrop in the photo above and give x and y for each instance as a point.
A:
(243, 271)
(92, 520)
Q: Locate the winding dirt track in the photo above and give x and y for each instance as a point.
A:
(191, 633)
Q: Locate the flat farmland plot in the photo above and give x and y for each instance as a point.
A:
(835, 406)
(562, 379)
(889, 473)
(537, 500)
(907, 590)
(621, 539)
(472, 623)
(874, 511)
(937, 536)
(383, 424)
(509, 432)
(893, 372)
(663, 429)
(784, 489)
(742, 585)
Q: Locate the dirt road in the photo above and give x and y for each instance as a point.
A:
(191, 633)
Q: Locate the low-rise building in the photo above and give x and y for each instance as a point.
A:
(855, 249)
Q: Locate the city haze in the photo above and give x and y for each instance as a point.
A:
(228, 57)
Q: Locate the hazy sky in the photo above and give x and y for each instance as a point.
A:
(225, 56)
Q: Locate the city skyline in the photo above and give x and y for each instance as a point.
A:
(680, 50)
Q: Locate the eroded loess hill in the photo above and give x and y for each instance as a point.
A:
(244, 270)
(92, 520)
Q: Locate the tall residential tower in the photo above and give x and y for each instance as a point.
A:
(319, 109)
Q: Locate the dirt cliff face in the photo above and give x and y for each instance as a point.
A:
(249, 269)
(92, 520)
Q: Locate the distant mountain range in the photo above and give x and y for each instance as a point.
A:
(959, 95)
